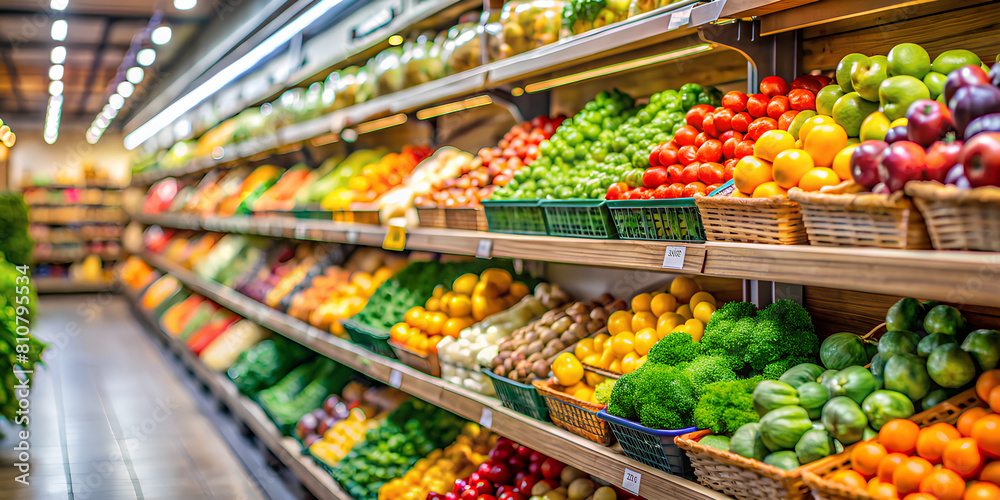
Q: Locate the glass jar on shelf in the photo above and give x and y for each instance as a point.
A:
(347, 87)
(462, 47)
(387, 70)
(581, 16)
(422, 60)
(526, 25)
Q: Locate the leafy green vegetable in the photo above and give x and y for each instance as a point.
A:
(726, 406)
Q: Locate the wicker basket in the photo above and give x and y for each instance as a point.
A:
(431, 217)
(814, 474)
(467, 218)
(427, 363)
(861, 219)
(959, 219)
(774, 221)
(574, 415)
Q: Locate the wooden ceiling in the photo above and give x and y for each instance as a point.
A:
(99, 35)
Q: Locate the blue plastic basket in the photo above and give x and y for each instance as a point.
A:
(652, 447)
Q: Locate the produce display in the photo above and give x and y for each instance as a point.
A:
(375, 178)
(437, 472)
(525, 25)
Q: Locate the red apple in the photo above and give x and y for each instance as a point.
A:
(966, 75)
(896, 134)
(306, 425)
(981, 158)
(900, 163)
(941, 157)
(864, 163)
(956, 177)
(927, 121)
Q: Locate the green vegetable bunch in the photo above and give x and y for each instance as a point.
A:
(15, 244)
(267, 362)
(781, 334)
(17, 310)
(726, 405)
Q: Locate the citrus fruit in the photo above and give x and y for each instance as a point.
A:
(749, 173)
(986, 432)
(644, 340)
(920, 496)
(789, 166)
(883, 491)
(498, 277)
(768, 189)
(982, 491)
(639, 362)
(567, 369)
(685, 311)
(994, 398)
(663, 303)
(667, 323)
(642, 302)
(599, 341)
(619, 321)
(703, 312)
(593, 379)
(842, 162)
(910, 473)
(899, 436)
(684, 288)
(700, 297)
(932, 440)
(433, 304)
(943, 483)
(818, 177)
(584, 348)
(986, 382)
(696, 328)
(414, 316)
(615, 366)
(465, 283)
(866, 456)
(991, 473)
(962, 456)
(644, 319)
(968, 418)
(519, 290)
(435, 323)
(628, 361)
(399, 333)
(623, 343)
(888, 464)
(849, 478)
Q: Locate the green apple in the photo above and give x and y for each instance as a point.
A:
(845, 68)
(935, 83)
(940, 99)
(950, 60)
(826, 98)
(985, 67)
(875, 127)
(799, 120)
(868, 75)
(909, 59)
(851, 110)
(896, 93)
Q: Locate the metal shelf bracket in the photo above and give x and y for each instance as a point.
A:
(777, 54)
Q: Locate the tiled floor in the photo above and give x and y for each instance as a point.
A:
(110, 419)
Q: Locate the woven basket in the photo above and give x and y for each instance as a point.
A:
(773, 221)
(467, 218)
(431, 217)
(959, 219)
(574, 415)
(861, 219)
(815, 473)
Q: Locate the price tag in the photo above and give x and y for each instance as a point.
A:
(352, 236)
(395, 238)
(486, 419)
(679, 18)
(673, 258)
(300, 232)
(485, 249)
(396, 378)
(630, 482)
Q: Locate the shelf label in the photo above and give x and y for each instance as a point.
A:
(630, 482)
(352, 236)
(673, 258)
(300, 232)
(396, 378)
(679, 18)
(395, 238)
(485, 249)
(486, 419)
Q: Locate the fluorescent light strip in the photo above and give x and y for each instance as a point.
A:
(616, 68)
(381, 123)
(472, 102)
(174, 111)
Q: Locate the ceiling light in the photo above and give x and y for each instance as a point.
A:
(58, 55)
(161, 35)
(59, 29)
(126, 89)
(116, 101)
(56, 88)
(225, 76)
(59, 4)
(145, 57)
(135, 75)
(185, 4)
(56, 72)
(101, 121)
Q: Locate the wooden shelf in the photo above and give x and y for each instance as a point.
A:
(957, 277)
(602, 462)
(286, 449)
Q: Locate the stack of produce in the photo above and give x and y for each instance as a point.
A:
(445, 163)
(281, 196)
(437, 472)
(264, 364)
(252, 187)
(334, 175)
(222, 352)
(136, 273)
(376, 178)
(302, 390)
(330, 431)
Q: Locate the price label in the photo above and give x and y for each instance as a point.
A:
(673, 258)
(395, 238)
(630, 482)
(396, 378)
(679, 18)
(300, 232)
(352, 236)
(486, 419)
(485, 249)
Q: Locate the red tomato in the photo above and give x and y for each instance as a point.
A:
(729, 134)
(741, 122)
(700, 139)
(551, 468)
(802, 99)
(711, 173)
(774, 86)
(735, 101)
(709, 125)
(674, 173)
(710, 151)
(526, 484)
(690, 173)
(777, 106)
(615, 192)
(744, 148)
(785, 120)
(483, 486)
(676, 190)
(687, 154)
(757, 105)
(724, 120)
(654, 157)
(469, 494)
(668, 154)
(728, 168)
(693, 188)
(685, 135)
(711, 188)
(729, 147)
(654, 177)
(808, 82)
(823, 80)
(761, 125)
(511, 495)
(696, 115)
(662, 192)
(486, 497)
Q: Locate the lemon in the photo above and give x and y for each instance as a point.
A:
(644, 340)
(619, 321)
(684, 288)
(695, 328)
(465, 283)
(667, 323)
(703, 312)
(700, 297)
(623, 343)
(584, 348)
(641, 302)
(599, 342)
(593, 378)
(627, 362)
(662, 303)
(642, 320)
(685, 310)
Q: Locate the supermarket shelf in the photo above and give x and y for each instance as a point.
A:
(602, 462)
(65, 285)
(286, 449)
(74, 205)
(958, 277)
(63, 187)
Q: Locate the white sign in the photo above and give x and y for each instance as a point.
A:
(485, 249)
(396, 378)
(679, 18)
(673, 258)
(486, 419)
(352, 236)
(300, 233)
(630, 482)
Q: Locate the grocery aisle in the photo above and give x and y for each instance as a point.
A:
(110, 419)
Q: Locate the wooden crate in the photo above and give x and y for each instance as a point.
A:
(431, 216)
(959, 219)
(773, 221)
(861, 219)
(467, 218)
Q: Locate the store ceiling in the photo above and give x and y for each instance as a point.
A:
(98, 39)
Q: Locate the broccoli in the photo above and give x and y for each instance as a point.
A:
(725, 406)
(620, 402)
(665, 387)
(659, 417)
(777, 368)
(708, 369)
(603, 391)
(783, 330)
(673, 349)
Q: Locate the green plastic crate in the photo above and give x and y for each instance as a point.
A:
(579, 219)
(515, 216)
(660, 220)
(373, 339)
(522, 398)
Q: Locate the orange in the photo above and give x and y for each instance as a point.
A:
(768, 189)
(842, 163)
(986, 382)
(696, 328)
(994, 398)
(584, 348)
(623, 343)
(435, 323)
(502, 279)
(882, 490)
(644, 340)
(399, 333)
(619, 321)
(968, 418)
(460, 305)
(772, 143)
(464, 284)
(789, 166)
(962, 456)
(817, 178)
(899, 436)
(663, 303)
(945, 484)
(932, 440)
(703, 312)
(920, 496)
(751, 172)
(607, 357)
(667, 323)
(684, 288)
(628, 362)
(982, 491)
(700, 297)
(454, 326)
(519, 290)
(639, 362)
(413, 316)
(642, 302)
(813, 122)
(615, 366)
(599, 340)
(991, 473)
(866, 456)
(644, 319)
(888, 464)
(823, 143)
(849, 478)
(910, 473)
(433, 304)
(986, 431)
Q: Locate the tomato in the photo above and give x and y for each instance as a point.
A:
(728, 168)
(469, 494)
(709, 125)
(616, 191)
(486, 497)
(696, 115)
(761, 125)
(802, 99)
(711, 173)
(674, 172)
(723, 120)
(807, 82)
(685, 135)
(709, 189)
(687, 154)
(518, 463)
(692, 189)
(676, 190)
(483, 486)
(700, 139)
(735, 101)
(511, 495)
(785, 120)
(668, 154)
(526, 484)
(654, 157)
(725, 136)
(690, 173)
(710, 151)
(729, 146)
(499, 473)
(662, 192)
(744, 148)
(757, 105)
(551, 468)
(777, 106)
(741, 121)
(774, 86)
(654, 177)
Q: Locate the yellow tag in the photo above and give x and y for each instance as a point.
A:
(395, 238)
